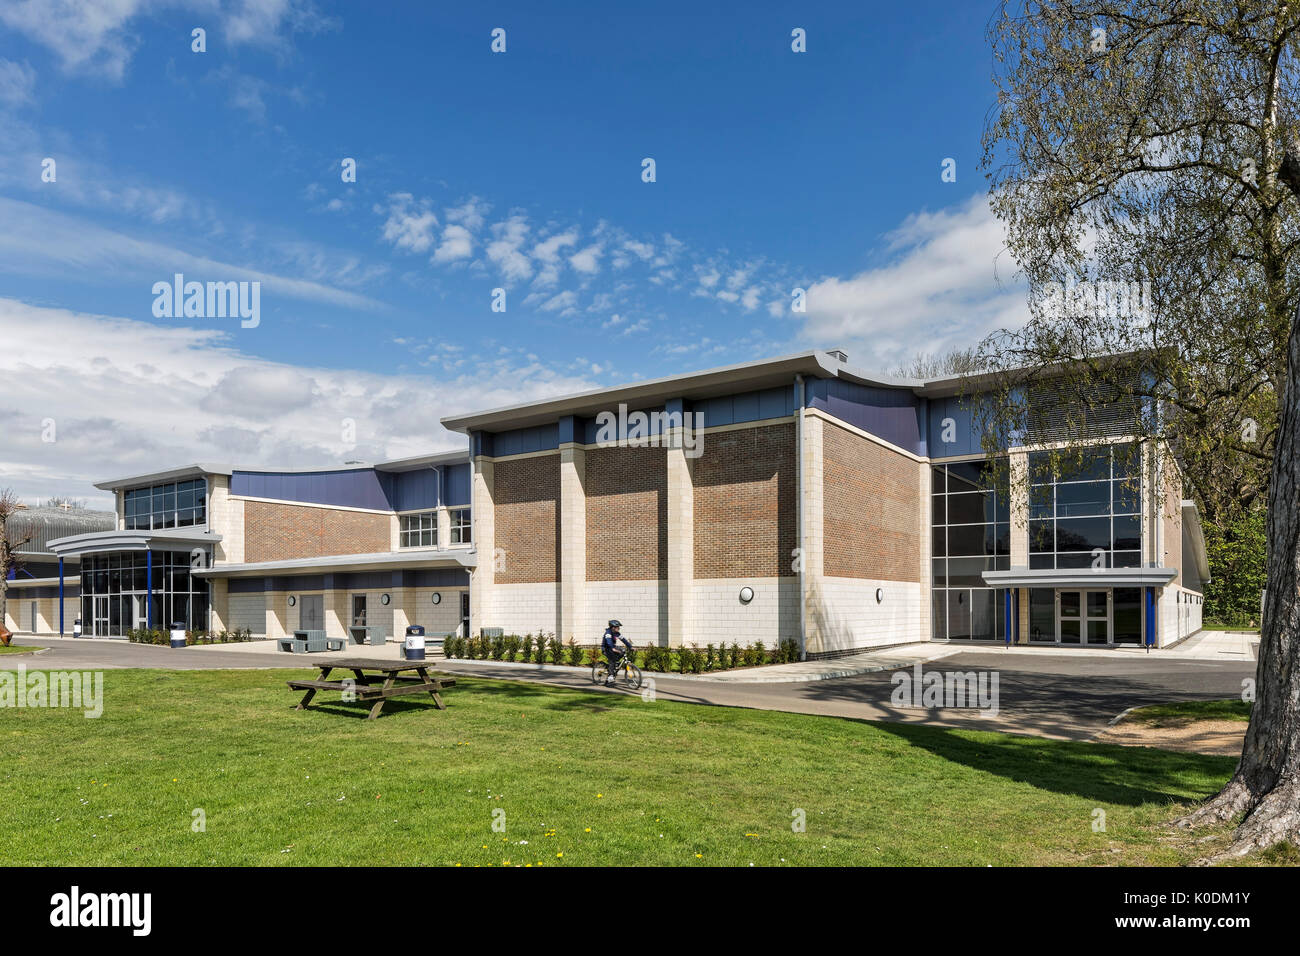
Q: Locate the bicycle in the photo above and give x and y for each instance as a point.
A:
(631, 673)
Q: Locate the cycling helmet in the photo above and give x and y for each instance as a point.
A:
(615, 624)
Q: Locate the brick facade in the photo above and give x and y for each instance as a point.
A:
(627, 514)
(745, 520)
(275, 532)
(526, 513)
(872, 500)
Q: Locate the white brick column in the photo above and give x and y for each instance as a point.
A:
(813, 478)
(483, 534)
(1019, 488)
(219, 603)
(572, 564)
(681, 544)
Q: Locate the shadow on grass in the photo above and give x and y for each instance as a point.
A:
(1126, 776)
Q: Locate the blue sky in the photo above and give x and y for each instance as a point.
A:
(475, 171)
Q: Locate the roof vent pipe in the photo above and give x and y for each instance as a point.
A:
(839, 356)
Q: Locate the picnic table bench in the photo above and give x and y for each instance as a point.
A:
(386, 680)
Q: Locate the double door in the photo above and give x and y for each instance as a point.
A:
(1083, 617)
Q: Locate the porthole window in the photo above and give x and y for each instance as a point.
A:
(746, 595)
(437, 598)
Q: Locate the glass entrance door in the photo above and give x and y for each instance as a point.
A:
(1096, 608)
(100, 621)
(1083, 617)
(1069, 616)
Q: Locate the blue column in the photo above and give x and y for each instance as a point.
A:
(1010, 623)
(148, 586)
(60, 597)
(1151, 617)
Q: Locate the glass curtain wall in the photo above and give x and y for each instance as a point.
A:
(115, 593)
(970, 534)
(1089, 517)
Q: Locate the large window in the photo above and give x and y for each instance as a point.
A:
(180, 504)
(420, 530)
(970, 534)
(115, 593)
(1086, 514)
(460, 533)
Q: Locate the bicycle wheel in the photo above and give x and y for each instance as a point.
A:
(599, 672)
(632, 674)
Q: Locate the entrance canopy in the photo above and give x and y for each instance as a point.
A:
(1081, 578)
(415, 558)
(175, 539)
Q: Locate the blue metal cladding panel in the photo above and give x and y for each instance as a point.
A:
(520, 441)
(361, 488)
(413, 490)
(456, 491)
(591, 430)
(896, 415)
(952, 418)
(745, 407)
(354, 581)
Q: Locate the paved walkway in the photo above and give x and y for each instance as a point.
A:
(1208, 646)
(1055, 695)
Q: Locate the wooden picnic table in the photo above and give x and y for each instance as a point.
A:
(385, 680)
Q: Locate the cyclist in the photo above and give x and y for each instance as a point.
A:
(609, 645)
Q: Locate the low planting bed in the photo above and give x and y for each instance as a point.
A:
(548, 649)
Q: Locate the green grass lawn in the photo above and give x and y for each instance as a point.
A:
(16, 649)
(583, 778)
(1184, 711)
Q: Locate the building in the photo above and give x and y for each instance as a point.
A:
(41, 594)
(795, 498)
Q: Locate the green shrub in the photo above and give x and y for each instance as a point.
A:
(526, 649)
(760, 653)
(512, 647)
(697, 660)
(557, 650)
(498, 647)
(733, 655)
(575, 654)
(710, 656)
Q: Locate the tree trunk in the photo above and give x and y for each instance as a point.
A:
(1266, 784)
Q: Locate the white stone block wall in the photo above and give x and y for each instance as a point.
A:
(772, 616)
(852, 618)
(1176, 619)
(641, 606)
(523, 608)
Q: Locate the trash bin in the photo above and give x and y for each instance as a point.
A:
(76, 628)
(413, 649)
(178, 634)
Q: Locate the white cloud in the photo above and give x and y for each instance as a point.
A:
(504, 249)
(587, 261)
(940, 290)
(17, 80)
(95, 36)
(410, 224)
(457, 243)
(36, 242)
(222, 404)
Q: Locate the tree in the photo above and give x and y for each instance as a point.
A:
(1237, 555)
(925, 365)
(9, 546)
(73, 504)
(1145, 159)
